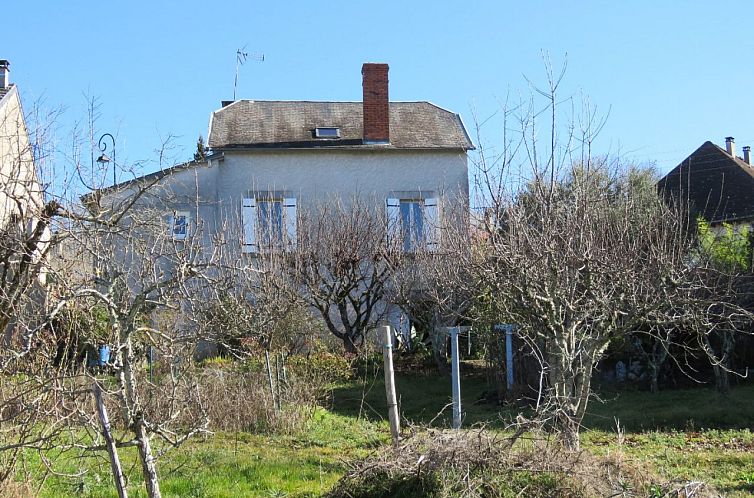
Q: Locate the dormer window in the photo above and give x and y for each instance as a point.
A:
(327, 132)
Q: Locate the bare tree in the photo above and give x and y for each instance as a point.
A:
(99, 274)
(343, 264)
(143, 263)
(252, 303)
(580, 251)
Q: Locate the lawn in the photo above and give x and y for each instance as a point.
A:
(690, 434)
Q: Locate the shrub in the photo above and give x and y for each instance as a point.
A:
(322, 367)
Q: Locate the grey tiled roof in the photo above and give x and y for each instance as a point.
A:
(291, 124)
(718, 186)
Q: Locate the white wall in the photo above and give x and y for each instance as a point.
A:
(315, 176)
(213, 192)
(17, 176)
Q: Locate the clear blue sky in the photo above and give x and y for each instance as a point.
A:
(672, 73)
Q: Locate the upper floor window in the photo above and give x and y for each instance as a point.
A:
(179, 225)
(327, 132)
(269, 223)
(414, 221)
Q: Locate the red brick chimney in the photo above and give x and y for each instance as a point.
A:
(376, 106)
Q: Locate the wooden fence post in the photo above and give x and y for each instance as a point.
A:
(392, 404)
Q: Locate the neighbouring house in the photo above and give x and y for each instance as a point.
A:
(21, 197)
(24, 224)
(270, 161)
(716, 184)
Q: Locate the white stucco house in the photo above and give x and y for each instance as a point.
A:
(270, 161)
(24, 222)
(20, 194)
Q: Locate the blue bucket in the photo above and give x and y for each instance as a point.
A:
(104, 355)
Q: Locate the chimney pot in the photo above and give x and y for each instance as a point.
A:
(376, 103)
(747, 155)
(730, 146)
(4, 73)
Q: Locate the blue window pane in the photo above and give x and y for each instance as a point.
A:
(270, 222)
(412, 224)
(179, 225)
(418, 223)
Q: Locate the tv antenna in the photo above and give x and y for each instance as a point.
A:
(241, 57)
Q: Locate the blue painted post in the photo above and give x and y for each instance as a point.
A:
(455, 377)
(104, 355)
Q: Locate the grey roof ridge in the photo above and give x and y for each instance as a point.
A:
(307, 101)
(460, 121)
(740, 162)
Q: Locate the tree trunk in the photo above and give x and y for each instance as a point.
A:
(349, 345)
(721, 366)
(120, 482)
(148, 467)
(722, 380)
(136, 421)
(655, 362)
(568, 433)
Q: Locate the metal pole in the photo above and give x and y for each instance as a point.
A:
(509, 356)
(455, 377)
(392, 404)
(103, 159)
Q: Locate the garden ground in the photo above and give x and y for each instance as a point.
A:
(685, 435)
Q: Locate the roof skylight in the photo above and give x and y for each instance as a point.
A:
(327, 132)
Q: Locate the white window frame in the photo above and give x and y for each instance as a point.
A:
(251, 224)
(429, 238)
(186, 215)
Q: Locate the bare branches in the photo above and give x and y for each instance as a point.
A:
(344, 262)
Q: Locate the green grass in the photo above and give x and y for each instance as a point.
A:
(234, 465)
(723, 458)
(422, 399)
(685, 434)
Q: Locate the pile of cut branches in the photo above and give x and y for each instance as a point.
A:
(479, 463)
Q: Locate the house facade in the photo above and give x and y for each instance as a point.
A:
(271, 159)
(20, 194)
(270, 162)
(24, 238)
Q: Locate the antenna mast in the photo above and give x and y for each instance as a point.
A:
(241, 58)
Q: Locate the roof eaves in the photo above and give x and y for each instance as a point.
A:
(465, 133)
(157, 175)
